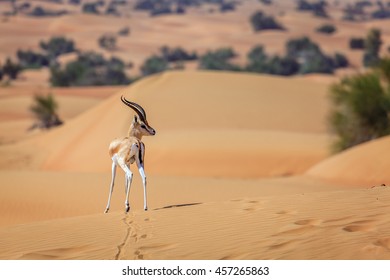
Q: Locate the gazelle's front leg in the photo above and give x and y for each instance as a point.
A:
(113, 171)
(142, 172)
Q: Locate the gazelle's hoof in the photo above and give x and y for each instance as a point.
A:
(146, 208)
(106, 211)
(127, 209)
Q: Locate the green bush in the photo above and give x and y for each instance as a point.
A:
(153, 65)
(318, 8)
(30, 59)
(356, 43)
(309, 55)
(45, 110)
(372, 46)
(11, 69)
(91, 8)
(326, 28)
(57, 46)
(259, 62)
(107, 41)
(218, 60)
(361, 107)
(260, 21)
(89, 69)
(177, 54)
(340, 60)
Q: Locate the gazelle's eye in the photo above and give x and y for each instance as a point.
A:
(143, 126)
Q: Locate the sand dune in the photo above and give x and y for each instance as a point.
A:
(224, 162)
(229, 159)
(356, 226)
(192, 121)
(364, 165)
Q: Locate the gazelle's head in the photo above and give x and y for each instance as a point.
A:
(139, 126)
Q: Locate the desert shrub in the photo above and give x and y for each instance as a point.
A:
(381, 13)
(180, 10)
(303, 5)
(372, 46)
(57, 46)
(356, 43)
(111, 10)
(154, 64)
(309, 55)
(317, 8)
(30, 59)
(89, 69)
(326, 28)
(260, 21)
(340, 61)
(91, 8)
(218, 60)
(177, 54)
(44, 109)
(11, 69)
(227, 6)
(266, 2)
(107, 41)
(361, 107)
(125, 31)
(1, 74)
(38, 11)
(161, 10)
(298, 47)
(144, 5)
(74, 2)
(24, 6)
(259, 62)
(284, 66)
(317, 62)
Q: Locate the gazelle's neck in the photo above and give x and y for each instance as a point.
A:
(134, 132)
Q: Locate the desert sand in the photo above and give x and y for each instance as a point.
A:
(235, 156)
(240, 167)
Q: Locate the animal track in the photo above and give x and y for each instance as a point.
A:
(128, 223)
(360, 226)
(286, 212)
(383, 242)
(310, 222)
(281, 245)
(252, 205)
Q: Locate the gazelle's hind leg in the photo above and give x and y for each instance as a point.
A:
(113, 171)
(128, 179)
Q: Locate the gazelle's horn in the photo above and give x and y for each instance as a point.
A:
(137, 108)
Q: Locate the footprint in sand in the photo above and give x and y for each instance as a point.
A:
(282, 245)
(304, 226)
(378, 246)
(310, 222)
(286, 212)
(383, 242)
(252, 205)
(360, 226)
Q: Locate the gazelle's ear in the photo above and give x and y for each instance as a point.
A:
(135, 119)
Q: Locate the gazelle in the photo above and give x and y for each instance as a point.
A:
(130, 149)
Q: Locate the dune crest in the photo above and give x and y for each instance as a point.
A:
(364, 165)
